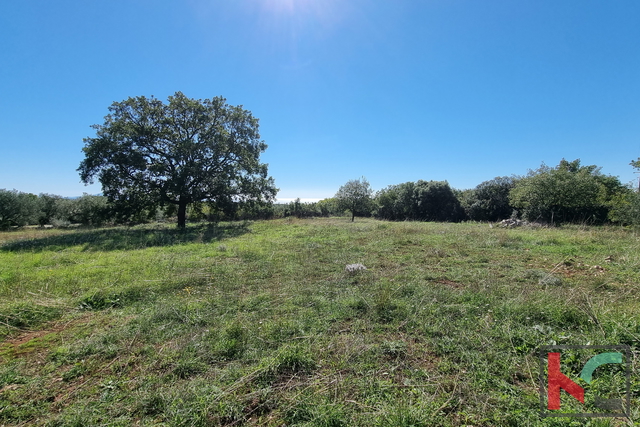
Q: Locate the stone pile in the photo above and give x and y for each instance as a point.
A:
(511, 223)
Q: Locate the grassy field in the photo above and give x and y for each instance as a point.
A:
(258, 324)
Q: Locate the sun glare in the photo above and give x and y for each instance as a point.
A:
(325, 13)
(281, 5)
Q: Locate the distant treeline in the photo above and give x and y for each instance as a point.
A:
(18, 209)
(567, 193)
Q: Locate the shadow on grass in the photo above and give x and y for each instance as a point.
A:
(121, 238)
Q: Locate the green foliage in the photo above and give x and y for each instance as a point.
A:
(89, 210)
(102, 299)
(322, 208)
(291, 359)
(231, 343)
(421, 201)
(567, 193)
(435, 201)
(329, 207)
(50, 208)
(148, 153)
(301, 210)
(253, 209)
(489, 201)
(355, 196)
(625, 208)
(17, 208)
(396, 203)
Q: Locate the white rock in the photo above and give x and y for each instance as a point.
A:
(354, 268)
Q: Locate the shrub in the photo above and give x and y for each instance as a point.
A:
(49, 208)
(90, 210)
(17, 209)
(567, 193)
(489, 201)
(422, 200)
(435, 201)
(625, 208)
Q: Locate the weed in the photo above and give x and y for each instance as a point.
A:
(221, 326)
(26, 315)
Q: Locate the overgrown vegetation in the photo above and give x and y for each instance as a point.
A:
(258, 323)
(489, 201)
(568, 193)
(419, 201)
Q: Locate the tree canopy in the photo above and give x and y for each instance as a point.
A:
(567, 193)
(148, 153)
(355, 196)
(421, 200)
(489, 201)
(17, 208)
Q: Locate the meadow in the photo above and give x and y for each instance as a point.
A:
(259, 324)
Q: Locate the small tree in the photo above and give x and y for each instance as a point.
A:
(90, 210)
(355, 196)
(435, 201)
(17, 209)
(567, 193)
(489, 201)
(49, 208)
(625, 206)
(328, 207)
(419, 201)
(405, 202)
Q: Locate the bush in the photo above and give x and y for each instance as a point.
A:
(625, 208)
(422, 201)
(17, 209)
(395, 203)
(489, 201)
(567, 193)
(325, 208)
(329, 207)
(435, 201)
(89, 210)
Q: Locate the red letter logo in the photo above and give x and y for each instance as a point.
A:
(558, 380)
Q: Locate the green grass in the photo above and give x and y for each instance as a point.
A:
(247, 324)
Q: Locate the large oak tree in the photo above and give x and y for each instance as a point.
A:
(148, 153)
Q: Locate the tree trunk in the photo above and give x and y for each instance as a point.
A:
(353, 216)
(182, 214)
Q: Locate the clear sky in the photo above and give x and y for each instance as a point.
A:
(395, 90)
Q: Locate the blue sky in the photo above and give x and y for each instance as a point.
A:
(395, 91)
